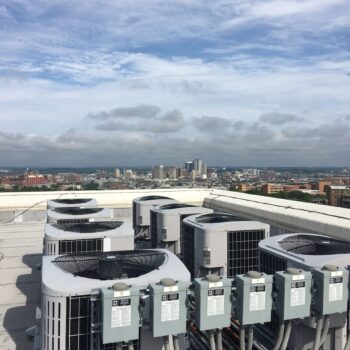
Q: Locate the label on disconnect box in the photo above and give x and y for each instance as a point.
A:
(335, 289)
(121, 313)
(297, 294)
(170, 307)
(216, 302)
(257, 297)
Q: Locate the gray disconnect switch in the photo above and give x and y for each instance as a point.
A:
(120, 313)
(168, 307)
(293, 288)
(331, 290)
(254, 298)
(213, 302)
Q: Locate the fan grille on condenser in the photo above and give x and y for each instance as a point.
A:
(151, 198)
(72, 201)
(111, 265)
(89, 227)
(77, 211)
(314, 245)
(176, 206)
(217, 218)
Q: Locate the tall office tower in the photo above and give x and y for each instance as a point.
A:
(117, 172)
(128, 174)
(189, 166)
(197, 165)
(158, 172)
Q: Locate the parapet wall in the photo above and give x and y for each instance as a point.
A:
(31, 206)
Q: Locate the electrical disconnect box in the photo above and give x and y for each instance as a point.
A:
(213, 302)
(168, 307)
(253, 298)
(120, 313)
(331, 290)
(293, 288)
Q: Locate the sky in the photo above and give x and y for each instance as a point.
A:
(122, 83)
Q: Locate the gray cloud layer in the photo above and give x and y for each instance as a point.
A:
(275, 118)
(140, 111)
(169, 137)
(142, 118)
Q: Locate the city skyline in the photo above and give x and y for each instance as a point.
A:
(263, 83)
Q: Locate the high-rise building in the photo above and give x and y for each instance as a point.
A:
(172, 173)
(117, 172)
(189, 166)
(128, 174)
(200, 167)
(158, 172)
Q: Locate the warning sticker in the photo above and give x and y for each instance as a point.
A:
(257, 298)
(121, 313)
(170, 307)
(297, 294)
(336, 289)
(216, 302)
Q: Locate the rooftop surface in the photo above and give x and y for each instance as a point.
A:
(21, 234)
(20, 251)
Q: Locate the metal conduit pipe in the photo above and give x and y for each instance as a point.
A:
(219, 340)
(242, 338)
(279, 336)
(286, 336)
(212, 340)
(250, 338)
(318, 333)
(176, 342)
(166, 342)
(327, 321)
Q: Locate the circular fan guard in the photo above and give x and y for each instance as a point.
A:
(72, 201)
(314, 245)
(77, 211)
(217, 218)
(89, 227)
(111, 265)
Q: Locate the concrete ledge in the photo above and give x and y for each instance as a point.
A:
(109, 199)
(297, 216)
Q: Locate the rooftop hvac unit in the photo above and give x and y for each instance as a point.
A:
(302, 250)
(77, 215)
(221, 244)
(141, 207)
(80, 311)
(166, 224)
(308, 252)
(88, 237)
(71, 202)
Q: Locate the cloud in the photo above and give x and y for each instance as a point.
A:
(275, 118)
(211, 124)
(68, 65)
(324, 131)
(141, 119)
(141, 111)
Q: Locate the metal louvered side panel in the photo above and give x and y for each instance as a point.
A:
(243, 251)
(154, 229)
(81, 246)
(188, 248)
(83, 312)
(71, 221)
(52, 323)
(270, 263)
